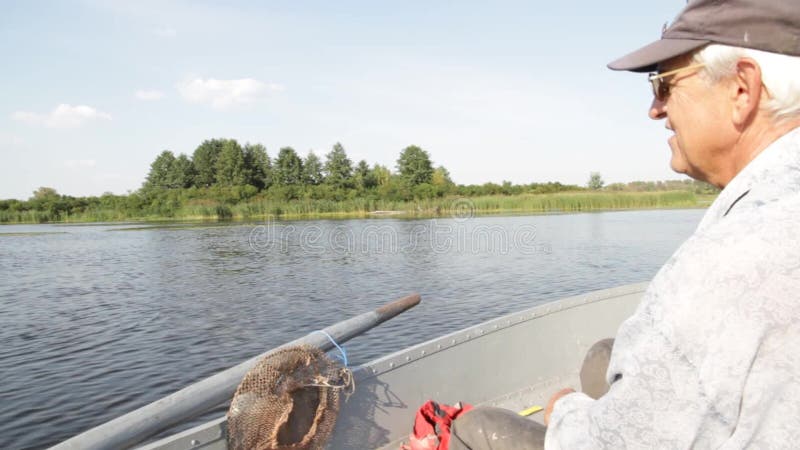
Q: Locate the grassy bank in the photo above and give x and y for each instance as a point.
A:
(261, 208)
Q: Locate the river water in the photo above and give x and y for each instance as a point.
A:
(97, 320)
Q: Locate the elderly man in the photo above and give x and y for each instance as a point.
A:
(711, 357)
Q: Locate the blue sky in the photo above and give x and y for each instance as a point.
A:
(93, 90)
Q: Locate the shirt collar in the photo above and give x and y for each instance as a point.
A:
(776, 165)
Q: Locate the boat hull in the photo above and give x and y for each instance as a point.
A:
(515, 362)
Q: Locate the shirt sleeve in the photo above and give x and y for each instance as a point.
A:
(657, 386)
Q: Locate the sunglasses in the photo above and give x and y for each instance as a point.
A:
(661, 85)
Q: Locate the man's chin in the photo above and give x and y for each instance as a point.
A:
(677, 162)
(683, 168)
(679, 168)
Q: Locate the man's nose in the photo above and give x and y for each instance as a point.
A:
(658, 109)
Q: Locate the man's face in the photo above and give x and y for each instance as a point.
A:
(697, 113)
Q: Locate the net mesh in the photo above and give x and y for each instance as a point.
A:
(289, 400)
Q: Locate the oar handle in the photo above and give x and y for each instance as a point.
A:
(396, 307)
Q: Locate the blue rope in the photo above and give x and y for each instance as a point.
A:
(342, 358)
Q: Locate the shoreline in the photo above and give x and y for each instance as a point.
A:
(257, 209)
(370, 215)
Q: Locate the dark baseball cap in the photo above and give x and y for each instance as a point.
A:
(768, 25)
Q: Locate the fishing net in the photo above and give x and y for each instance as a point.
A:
(289, 400)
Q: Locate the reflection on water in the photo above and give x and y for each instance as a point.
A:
(95, 321)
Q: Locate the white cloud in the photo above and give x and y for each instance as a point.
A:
(223, 94)
(62, 116)
(149, 95)
(80, 163)
(165, 32)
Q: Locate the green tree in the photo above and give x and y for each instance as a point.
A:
(161, 172)
(47, 201)
(257, 165)
(363, 176)
(230, 166)
(415, 166)
(338, 167)
(205, 162)
(181, 174)
(441, 177)
(288, 167)
(312, 169)
(45, 193)
(595, 182)
(381, 174)
(391, 186)
(441, 182)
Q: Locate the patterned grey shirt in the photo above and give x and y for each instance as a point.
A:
(711, 357)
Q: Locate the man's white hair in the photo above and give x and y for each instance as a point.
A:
(779, 73)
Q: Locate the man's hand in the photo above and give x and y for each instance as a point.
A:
(429, 442)
(552, 402)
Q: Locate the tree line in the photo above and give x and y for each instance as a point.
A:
(222, 176)
(226, 163)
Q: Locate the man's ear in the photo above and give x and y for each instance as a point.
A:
(746, 91)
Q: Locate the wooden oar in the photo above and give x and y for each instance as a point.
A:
(136, 426)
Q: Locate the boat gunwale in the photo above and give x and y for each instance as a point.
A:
(439, 344)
